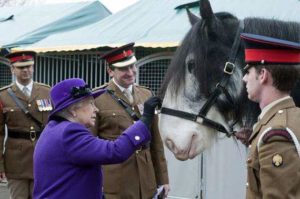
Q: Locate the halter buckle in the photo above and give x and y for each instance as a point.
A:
(229, 68)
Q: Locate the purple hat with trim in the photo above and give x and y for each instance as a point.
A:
(70, 91)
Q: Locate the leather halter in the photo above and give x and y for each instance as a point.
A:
(220, 88)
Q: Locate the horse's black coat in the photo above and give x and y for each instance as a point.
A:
(210, 40)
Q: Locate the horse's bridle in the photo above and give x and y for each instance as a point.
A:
(220, 88)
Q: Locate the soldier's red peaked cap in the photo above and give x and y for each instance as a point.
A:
(120, 57)
(21, 58)
(268, 50)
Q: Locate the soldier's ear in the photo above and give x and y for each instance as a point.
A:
(110, 71)
(12, 70)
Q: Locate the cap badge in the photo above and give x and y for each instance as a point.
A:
(277, 160)
(124, 53)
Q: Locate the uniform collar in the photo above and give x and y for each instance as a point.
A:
(122, 88)
(21, 86)
(269, 112)
(271, 105)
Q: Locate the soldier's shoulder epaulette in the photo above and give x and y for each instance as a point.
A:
(276, 134)
(42, 84)
(5, 87)
(101, 87)
(282, 134)
(144, 87)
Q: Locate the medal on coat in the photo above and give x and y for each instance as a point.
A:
(277, 160)
(44, 104)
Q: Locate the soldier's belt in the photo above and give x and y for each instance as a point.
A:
(31, 135)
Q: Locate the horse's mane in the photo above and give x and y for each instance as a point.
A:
(211, 44)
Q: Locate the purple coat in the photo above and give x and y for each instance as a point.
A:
(68, 159)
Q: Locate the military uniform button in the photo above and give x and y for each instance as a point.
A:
(137, 138)
(31, 128)
(29, 105)
(248, 160)
(114, 114)
(250, 146)
(280, 111)
(247, 184)
(12, 110)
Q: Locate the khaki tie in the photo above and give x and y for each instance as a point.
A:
(129, 96)
(26, 91)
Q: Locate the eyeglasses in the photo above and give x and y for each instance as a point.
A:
(80, 91)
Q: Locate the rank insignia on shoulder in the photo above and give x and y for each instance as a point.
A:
(277, 160)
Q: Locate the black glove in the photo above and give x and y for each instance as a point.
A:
(149, 110)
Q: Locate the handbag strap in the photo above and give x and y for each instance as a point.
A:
(22, 107)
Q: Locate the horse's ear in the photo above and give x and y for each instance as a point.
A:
(208, 15)
(206, 11)
(193, 18)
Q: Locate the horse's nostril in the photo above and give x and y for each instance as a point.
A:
(169, 143)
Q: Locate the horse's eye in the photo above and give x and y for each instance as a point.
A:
(191, 66)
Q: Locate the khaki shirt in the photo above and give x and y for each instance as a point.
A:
(138, 176)
(17, 161)
(274, 166)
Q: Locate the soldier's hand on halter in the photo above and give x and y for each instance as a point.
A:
(243, 135)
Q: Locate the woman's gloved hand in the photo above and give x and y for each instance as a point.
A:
(149, 110)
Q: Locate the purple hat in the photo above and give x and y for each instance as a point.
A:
(70, 91)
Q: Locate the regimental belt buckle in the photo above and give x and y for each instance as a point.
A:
(32, 135)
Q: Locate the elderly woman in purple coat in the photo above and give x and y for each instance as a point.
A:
(67, 157)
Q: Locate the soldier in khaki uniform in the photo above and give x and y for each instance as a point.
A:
(274, 151)
(22, 129)
(139, 176)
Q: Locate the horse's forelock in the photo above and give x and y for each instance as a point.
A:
(176, 71)
(199, 42)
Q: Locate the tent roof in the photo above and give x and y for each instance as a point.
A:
(159, 23)
(23, 25)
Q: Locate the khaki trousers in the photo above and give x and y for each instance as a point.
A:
(20, 189)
